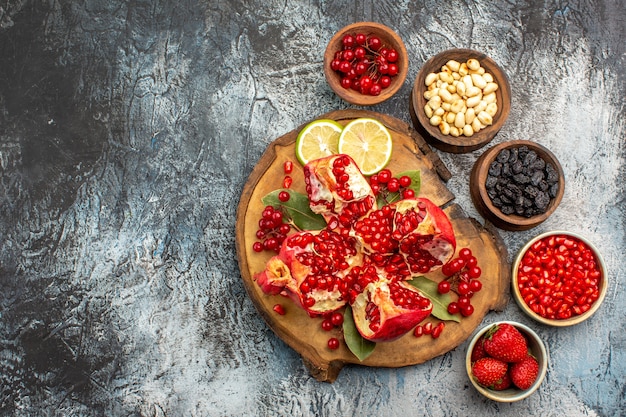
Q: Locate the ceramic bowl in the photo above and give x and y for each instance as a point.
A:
(389, 39)
(489, 209)
(537, 349)
(551, 239)
(432, 132)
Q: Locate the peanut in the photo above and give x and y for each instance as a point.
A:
(461, 98)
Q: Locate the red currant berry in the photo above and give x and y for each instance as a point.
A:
(384, 176)
(385, 81)
(465, 253)
(463, 288)
(337, 319)
(327, 325)
(475, 285)
(393, 185)
(375, 89)
(453, 307)
(333, 343)
(284, 196)
(408, 193)
(443, 287)
(257, 247)
(392, 55)
(360, 38)
(405, 181)
(348, 41)
(468, 310)
(374, 43)
(393, 70)
(474, 272)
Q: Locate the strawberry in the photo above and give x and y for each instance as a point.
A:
(525, 372)
(503, 341)
(479, 351)
(489, 371)
(503, 384)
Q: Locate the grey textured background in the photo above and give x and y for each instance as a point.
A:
(127, 131)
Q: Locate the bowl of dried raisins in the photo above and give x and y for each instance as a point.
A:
(517, 185)
(365, 63)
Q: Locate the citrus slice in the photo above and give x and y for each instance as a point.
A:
(368, 142)
(318, 139)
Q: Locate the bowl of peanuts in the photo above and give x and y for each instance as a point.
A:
(460, 99)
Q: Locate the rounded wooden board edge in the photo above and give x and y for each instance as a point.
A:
(322, 368)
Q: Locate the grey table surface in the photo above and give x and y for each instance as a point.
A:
(127, 132)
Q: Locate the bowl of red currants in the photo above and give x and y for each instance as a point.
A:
(517, 184)
(559, 278)
(460, 99)
(365, 63)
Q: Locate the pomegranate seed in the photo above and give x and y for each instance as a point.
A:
(287, 167)
(436, 332)
(279, 309)
(419, 331)
(287, 181)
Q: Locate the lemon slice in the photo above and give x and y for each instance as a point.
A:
(368, 142)
(318, 139)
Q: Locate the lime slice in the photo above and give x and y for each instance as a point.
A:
(318, 139)
(368, 142)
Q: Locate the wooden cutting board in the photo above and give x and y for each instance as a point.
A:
(303, 333)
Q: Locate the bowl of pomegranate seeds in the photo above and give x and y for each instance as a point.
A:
(559, 278)
(460, 100)
(365, 63)
(517, 185)
(506, 361)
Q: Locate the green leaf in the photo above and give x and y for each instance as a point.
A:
(416, 184)
(440, 301)
(297, 207)
(360, 347)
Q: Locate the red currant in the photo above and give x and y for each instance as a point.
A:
(333, 343)
(337, 319)
(443, 287)
(284, 196)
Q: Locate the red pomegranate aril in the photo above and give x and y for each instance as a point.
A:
(279, 309)
(563, 274)
(419, 331)
(288, 167)
(436, 332)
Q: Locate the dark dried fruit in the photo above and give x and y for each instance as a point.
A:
(521, 182)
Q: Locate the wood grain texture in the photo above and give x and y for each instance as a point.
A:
(128, 129)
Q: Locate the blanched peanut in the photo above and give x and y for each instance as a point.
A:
(453, 65)
(461, 98)
(445, 95)
(444, 128)
(480, 107)
(428, 111)
(446, 77)
(479, 81)
(490, 98)
(485, 118)
(428, 94)
(459, 120)
(476, 125)
(490, 88)
(435, 102)
(457, 106)
(430, 78)
(492, 109)
(470, 114)
(473, 101)
(473, 64)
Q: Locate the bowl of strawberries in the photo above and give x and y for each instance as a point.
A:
(506, 361)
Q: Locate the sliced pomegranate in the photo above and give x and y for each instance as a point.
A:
(310, 268)
(337, 190)
(425, 234)
(385, 310)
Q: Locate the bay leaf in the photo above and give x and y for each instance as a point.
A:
(359, 346)
(298, 209)
(440, 301)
